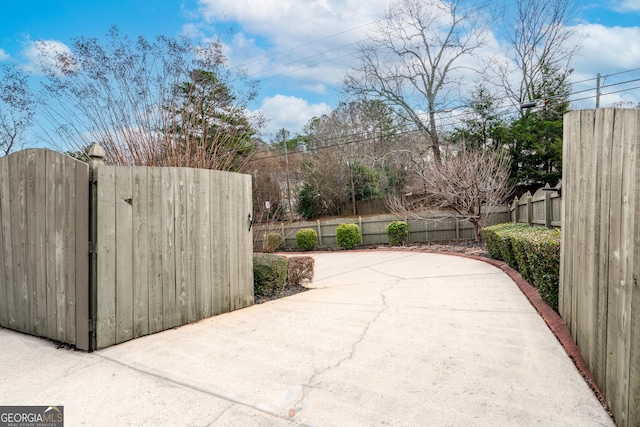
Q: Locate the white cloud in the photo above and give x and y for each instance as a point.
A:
(4, 56)
(627, 6)
(607, 48)
(289, 112)
(313, 41)
(41, 54)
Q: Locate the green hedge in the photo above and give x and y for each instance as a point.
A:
(348, 236)
(306, 239)
(533, 251)
(269, 274)
(398, 233)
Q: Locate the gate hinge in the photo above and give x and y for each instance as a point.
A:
(92, 325)
(92, 249)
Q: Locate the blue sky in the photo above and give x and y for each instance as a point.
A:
(300, 49)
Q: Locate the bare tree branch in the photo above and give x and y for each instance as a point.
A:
(465, 186)
(414, 58)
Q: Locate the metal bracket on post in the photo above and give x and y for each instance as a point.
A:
(250, 219)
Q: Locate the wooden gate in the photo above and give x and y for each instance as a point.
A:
(44, 254)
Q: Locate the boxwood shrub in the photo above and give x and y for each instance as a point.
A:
(269, 273)
(272, 241)
(398, 233)
(306, 239)
(348, 236)
(533, 251)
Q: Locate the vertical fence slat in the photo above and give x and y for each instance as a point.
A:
(106, 250)
(81, 259)
(156, 255)
(5, 262)
(233, 221)
(140, 246)
(169, 297)
(585, 190)
(245, 239)
(204, 282)
(615, 339)
(20, 314)
(123, 202)
(634, 321)
(189, 315)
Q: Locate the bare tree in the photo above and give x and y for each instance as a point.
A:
(540, 40)
(161, 102)
(465, 186)
(17, 107)
(415, 58)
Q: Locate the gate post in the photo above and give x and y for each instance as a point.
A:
(96, 154)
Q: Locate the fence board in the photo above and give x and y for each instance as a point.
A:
(169, 297)
(634, 321)
(603, 135)
(615, 340)
(192, 206)
(203, 253)
(586, 196)
(81, 257)
(105, 248)
(140, 250)
(156, 259)
(20, 313)
(123, 202)
(5, 261)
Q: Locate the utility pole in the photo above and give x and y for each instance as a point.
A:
(598, 92)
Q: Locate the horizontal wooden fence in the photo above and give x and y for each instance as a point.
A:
(543, 208)
(94, 256)
(600, 255)
(374, 229)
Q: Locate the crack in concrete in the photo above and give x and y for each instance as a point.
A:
(309, 384)
(196, 388)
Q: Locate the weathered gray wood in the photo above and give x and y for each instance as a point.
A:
(106, 247)
(20, 313)
(585, 191)
(203, 280)
(5, 261)
(634, 321)
(156, 254)
(124, 231)
(615, 340)
(140, 251)
(81, 231)
(169, 295)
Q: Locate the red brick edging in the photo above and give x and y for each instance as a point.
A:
(551, 318)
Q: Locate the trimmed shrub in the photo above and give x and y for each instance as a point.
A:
(269, 274)
(299, 270)
(271, 242)
(348, 236)
(398, 233)
(306, 239)
(533, 251)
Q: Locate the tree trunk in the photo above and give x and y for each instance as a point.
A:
(477, 229)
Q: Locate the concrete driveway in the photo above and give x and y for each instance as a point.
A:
(384, 338)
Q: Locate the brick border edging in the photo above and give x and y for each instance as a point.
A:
(550, 317)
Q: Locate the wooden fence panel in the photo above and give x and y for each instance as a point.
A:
(171, 248)
(599, 255)
(44, 245)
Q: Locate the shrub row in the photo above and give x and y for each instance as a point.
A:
(533, 251)
(347, 236)
(271, 273)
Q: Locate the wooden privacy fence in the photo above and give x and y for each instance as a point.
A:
(119, 252)
(600, 255)
(543, 208)
(374, 229)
